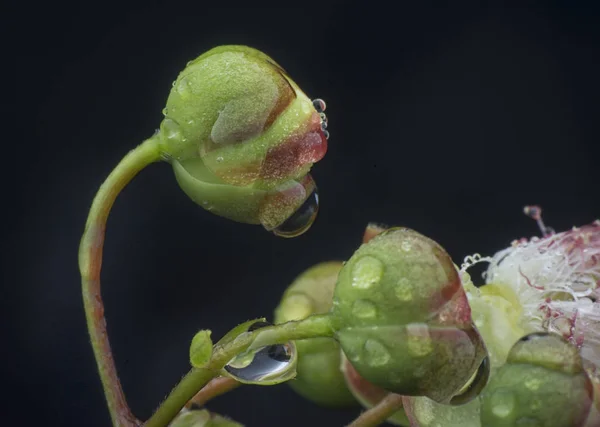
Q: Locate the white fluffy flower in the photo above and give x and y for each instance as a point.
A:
(557, 281)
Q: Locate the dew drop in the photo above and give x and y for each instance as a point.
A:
(319, 105)
(171, 129)
(403, 290)
(475, 385)
(364, 309)
(418, 340)
(323, 120)
(183, 88)
(503, 403)
(406, 246)
(326, 133)
(219, 159)
(267, 365)
(367, 272)
(165, 111)
(301, 220)
(376, 354)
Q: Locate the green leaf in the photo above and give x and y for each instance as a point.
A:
(201, 349)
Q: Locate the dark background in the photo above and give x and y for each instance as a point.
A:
(447, 119)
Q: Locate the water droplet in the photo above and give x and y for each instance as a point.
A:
(171, 129)
(406, 246)
(219, 159)
(403, 290)
(367, 272)
(165, 111)
(190, 122)
(319, 105)
(418, 340)
(475, 384)
(503, 403)
(301, 220)
(268, 365)
(326, 133)
(184, 88)
(376, 354)
(324, 121)
(364, 309)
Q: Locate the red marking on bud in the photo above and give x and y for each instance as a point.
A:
(368, 392)
(373, 230)
(294, 153)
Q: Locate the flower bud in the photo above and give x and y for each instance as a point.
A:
(543, 383)
(241, 135)
(319, 378)
(404, 321)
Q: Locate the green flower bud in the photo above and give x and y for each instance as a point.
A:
(404, 321)
(319, 378)
(543, 384)
(242, 137)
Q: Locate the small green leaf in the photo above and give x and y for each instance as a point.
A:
(238, 330)
(201, 349)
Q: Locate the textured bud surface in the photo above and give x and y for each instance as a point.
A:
(242, 137)
(405, 323)
(542, 383)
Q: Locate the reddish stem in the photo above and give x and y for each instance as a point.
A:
(90, 264)
(216, 387)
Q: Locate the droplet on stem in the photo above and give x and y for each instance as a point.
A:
(268, 365)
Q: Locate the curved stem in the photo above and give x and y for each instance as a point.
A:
(377, 415)
(216, 387)
(90, 262)
(320, 325)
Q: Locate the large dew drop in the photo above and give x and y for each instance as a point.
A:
(268, 365)
(301, 220)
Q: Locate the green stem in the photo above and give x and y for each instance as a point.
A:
(90, 263)
(379, 413)
(314, 326)
(216, 387)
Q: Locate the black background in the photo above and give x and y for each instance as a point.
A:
(444, 118)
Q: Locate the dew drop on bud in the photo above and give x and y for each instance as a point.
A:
(301, 220)
(475, 385)
(323, 117)
(326, 133)
(319, 105)
(268, 365)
